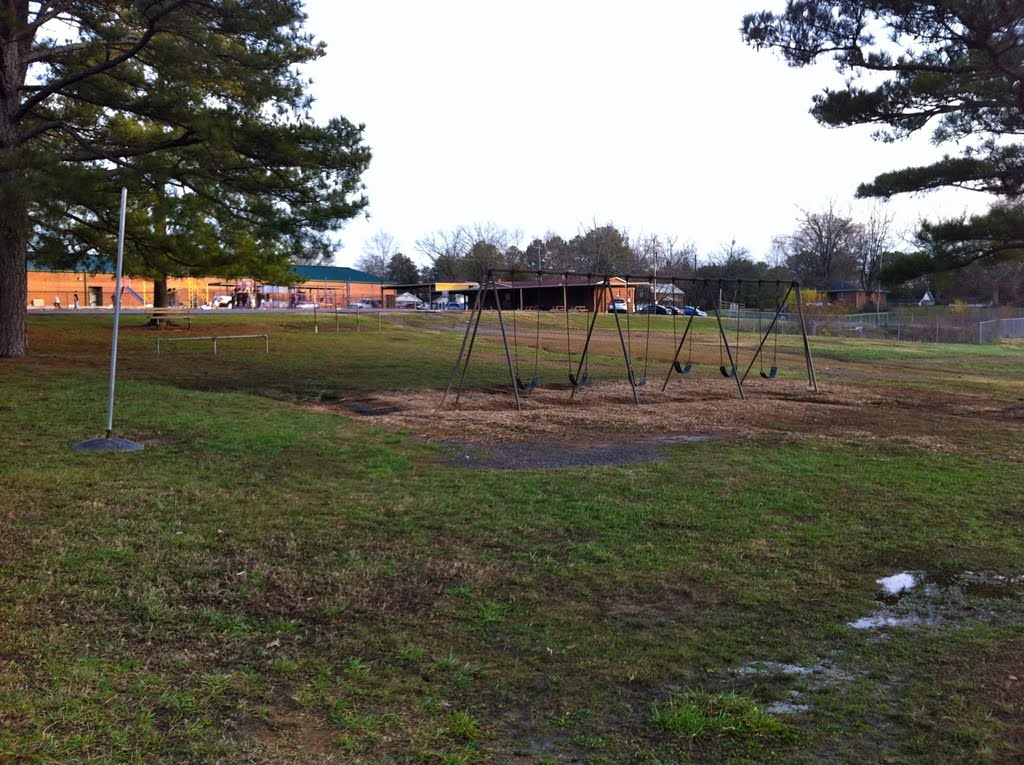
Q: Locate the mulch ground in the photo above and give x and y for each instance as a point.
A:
(603, 425)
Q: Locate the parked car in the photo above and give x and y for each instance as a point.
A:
(221, 301)
(655, 309)
(689, 310)
(454, 306)
(362, 305)
(618, 305)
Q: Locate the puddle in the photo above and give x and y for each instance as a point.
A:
(785, 708)
(918, 598)
(805, 682)
(822, 674)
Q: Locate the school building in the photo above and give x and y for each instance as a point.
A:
(325, 286)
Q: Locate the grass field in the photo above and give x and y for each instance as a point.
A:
(277, 579)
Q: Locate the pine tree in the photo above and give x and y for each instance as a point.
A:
(954, 65)
(198, 108)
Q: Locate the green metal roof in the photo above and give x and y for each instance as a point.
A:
(334, 274)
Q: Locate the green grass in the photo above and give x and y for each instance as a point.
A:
(269, 582)
(698, 715)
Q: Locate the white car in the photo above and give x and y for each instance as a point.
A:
(221, 301)
(618, 305)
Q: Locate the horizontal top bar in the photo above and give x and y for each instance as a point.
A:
(642, 277)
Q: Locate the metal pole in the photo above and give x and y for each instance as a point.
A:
(679, 348)
(462, 350)
(724, 337)
(812, 378)
(625, 351)
(504, 339)
(117, 312)
(586, 343)
(479, 308)
(316, 324)
(775, 318)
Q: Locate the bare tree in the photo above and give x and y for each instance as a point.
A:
(679, 260)
(869, 242)
(820, 250)
(377, 253)
(445, 250)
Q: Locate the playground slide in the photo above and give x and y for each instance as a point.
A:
(135, 295)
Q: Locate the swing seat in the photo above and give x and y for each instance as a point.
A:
(533, 384)
(634, 382)
(724, 371)
(770, 374)
(581, 382)
(681, 369)
(524, 386)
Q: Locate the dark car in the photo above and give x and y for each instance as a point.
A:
(455, 306)
(689, 310)
(654, 308)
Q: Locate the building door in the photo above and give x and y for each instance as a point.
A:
(95, 297)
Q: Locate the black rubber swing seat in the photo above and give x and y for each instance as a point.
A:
(581, 382)
(533, 384)
(681, 369)
(634, 382)
(770, 374)
(725, 372)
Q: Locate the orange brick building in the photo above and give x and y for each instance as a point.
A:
(323, 285)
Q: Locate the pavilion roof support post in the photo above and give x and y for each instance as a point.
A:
(716, 304)
(590, 333)
(768, 332)
(504, 339)
(625, 350)
(812, 378)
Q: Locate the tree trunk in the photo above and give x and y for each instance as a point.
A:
(15, 46)
(160, 293)
(13, 274)
(159, 301)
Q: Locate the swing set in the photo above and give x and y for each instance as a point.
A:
(600, 288)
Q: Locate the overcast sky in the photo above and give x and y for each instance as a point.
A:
(553, 115)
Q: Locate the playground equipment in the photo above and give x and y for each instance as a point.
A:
(489, 296)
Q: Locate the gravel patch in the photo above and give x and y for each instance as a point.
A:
(547, 455)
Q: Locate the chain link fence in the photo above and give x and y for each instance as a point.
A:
(936, 325)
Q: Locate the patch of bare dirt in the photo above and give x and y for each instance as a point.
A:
(289, 736)
(603, 414)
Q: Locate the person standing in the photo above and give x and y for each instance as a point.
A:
(76, 301)
(56, 302)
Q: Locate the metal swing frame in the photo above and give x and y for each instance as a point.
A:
(604, 289)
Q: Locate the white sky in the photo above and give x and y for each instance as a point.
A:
(553, 115)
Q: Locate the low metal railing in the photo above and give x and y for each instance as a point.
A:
(214, 338)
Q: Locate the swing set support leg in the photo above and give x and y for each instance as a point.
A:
(504, 339)
(478, 310)
(725, 341)
(625, 356)
(768, 332)
(679, 349)
(812, 378)
(470, 337)
(586, 344)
